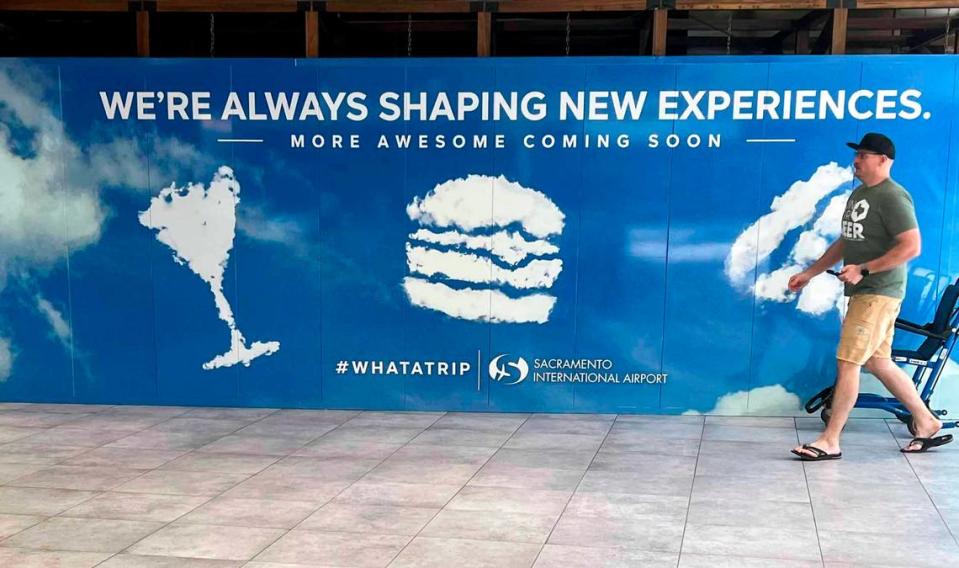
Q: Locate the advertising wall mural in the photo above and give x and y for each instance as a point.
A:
(564, 235)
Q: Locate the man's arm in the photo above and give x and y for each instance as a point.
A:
(908, 246)
(831, 257)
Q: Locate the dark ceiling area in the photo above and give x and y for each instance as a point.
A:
(459, 28)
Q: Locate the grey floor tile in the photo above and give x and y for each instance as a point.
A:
(137, 561)
(618, 532)
(376, 435)
(491, 525)
(547, 459)
(641, 483)
(754, 541)
(643, 434)
(900, 520)
(673, 447)
(775, 487)
(752, 421)
(527, 478)
(68, 435)
(207, 541)
(209, 426)
(285, 487)
(255, 445)
(225, 463)
(334, 549)
(369, 519)
(576, 427)
(485, 422)
(326, 469)
(303, 432)
(333, 448)
(129, 458)
(510, 500)
(26, 419)
(627, 506)
(396, 419)
(427, 453)
(737, 433)
(11, 471)
(460, 437)
(914, 550)
(424, 552)
(414, 472)
(82, 535)
(259, 513)
(638, 462)
(21, 558)
(398, 494)
(546, 441)
(162, 482)
(136, 507)
(46, 502)
(715, 561)
(230, 413)
(78, 477)
(745, 512)
(165, 440)
(14, 433)
(12, 524)
(26, 452)
(563, 556)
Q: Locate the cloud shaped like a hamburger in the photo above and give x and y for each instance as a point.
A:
(483, 251)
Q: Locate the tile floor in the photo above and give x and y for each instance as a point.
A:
(115, 486)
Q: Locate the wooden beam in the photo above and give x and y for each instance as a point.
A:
(66, 5)
(312, 33)
(484, 34)
(892, 4)
(751, 4)
(399, 6)
(143, 33)
(660, 26)
(226, 6)
(839, 19)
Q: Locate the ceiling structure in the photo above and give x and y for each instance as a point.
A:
(462, 28)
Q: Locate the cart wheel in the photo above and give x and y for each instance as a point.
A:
(825, 414)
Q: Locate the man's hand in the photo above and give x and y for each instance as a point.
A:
(798, 281)
(850, 274)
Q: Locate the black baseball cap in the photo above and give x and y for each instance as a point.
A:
(875, 142)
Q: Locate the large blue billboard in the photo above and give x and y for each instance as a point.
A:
(565, 235)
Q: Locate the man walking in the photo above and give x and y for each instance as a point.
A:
(880, 235)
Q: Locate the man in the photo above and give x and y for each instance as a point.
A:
(879, 236)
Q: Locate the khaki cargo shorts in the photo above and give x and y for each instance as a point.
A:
(868, 328)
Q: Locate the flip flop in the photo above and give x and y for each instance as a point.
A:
(820, 454)
(926, 443)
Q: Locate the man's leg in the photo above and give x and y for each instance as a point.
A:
(843, 400)
(901, 386)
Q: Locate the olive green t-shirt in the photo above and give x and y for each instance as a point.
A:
(872, 219)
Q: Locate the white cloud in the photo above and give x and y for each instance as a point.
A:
(478, 270)
(789, 211)
(199, 225)
(479, 305)
(123, 162)
(56, 320)
(480, 201)
(772, 400)
(510, 247)
(43, 212)
(6, 359)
